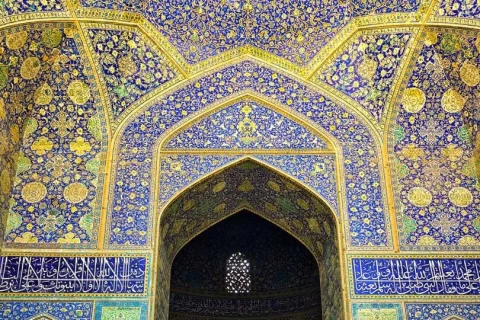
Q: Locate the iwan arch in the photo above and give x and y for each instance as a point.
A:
(129, 130)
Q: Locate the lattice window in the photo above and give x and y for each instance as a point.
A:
(238, 274)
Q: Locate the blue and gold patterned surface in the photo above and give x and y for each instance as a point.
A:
(131, 66)
(367, 68)
(437, 191)
(35, 310)
(50, 89)
(442, 311)
(178, 172)
(294, 30)
(90, 88)
(13, 7)
(361, 164)
(246, 125)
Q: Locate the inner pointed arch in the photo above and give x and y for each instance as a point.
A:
(244, 114)
(248, 184)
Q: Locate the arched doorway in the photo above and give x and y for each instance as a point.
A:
(244, 267)
(283, 202)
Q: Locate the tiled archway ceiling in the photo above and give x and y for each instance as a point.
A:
(317, 40)
(295, 30)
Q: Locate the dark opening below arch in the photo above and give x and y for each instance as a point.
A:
(284, 275)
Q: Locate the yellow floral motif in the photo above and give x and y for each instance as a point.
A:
(27, 237)
(34, 192)
(80, 146)
(413, 100)
(461, 197)
(220, 208)
(469, 74)
(452, 152)
(273, 185)
(247, 127)
(246, 186)
(412, 152)
(419, 197)
(452, 101)
(468, 241)
(42, 145)
(367, 69)
(43, 95)
(313, 225)
(78, 92)
(427, 241)
(219, 187)
(16, 40)
(69, 237)
(15, 133)
(304, 204)
(431, 38)
(189, 205)
(75, 192)
(30, 68)
(52, 37)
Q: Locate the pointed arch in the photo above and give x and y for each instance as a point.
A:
(278, 199)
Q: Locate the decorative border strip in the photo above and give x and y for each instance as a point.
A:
(86, 275)
(397, 276)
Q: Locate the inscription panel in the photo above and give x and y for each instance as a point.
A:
(68, 275)
(415, 276)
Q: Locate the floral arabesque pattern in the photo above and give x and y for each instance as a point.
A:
(294, 30)
(367, 223)
(12, 7)
(246, 125)
(437, 192)
(54, 197)
(131, 66)
(367, 68)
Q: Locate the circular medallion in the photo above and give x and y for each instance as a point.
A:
(419, 197)
(16, 40)
(413, 100)
(78, 92)
(52, 37)
(75, 192)
(452, 101)
(469, 74)
(367, 69)
(34, 192)
(460, 197)
(127, 66)
(30, 68)
(43, 95)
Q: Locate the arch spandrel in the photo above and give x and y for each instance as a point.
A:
(367, 67)
(429, 143)
(250, 185)
(47, 81)
(361, 165)
(246, 124)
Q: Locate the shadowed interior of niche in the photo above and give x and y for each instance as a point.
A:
(245, 267)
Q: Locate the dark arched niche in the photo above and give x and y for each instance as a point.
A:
(244, 267)
(251, 185)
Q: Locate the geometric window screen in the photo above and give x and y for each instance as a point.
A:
(238, 274)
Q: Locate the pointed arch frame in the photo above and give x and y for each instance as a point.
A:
(340, 238)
